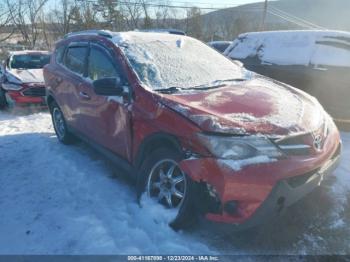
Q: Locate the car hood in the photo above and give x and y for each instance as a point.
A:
(256, 106)
(28, 75)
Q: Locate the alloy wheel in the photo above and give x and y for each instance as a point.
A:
(58, 122)
(167, 183)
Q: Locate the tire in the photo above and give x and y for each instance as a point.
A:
(3, 102)
(147, 177)
(59, 124)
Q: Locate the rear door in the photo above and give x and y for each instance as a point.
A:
(106, 119)
(70, 80)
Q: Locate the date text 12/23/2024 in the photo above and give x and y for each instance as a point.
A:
(173, 258)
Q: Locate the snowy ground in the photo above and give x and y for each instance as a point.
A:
(57, 199)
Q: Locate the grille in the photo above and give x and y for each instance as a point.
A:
(295, 145)
(34, 91)
(303, 144)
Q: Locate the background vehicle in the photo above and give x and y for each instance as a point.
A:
(220, 46)
(22, 81)
(199, 137)
(163, 30)
(317, 62)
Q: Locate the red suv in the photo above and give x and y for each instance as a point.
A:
(21, 80)
(199, 133)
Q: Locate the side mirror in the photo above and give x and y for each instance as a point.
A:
(109, 86)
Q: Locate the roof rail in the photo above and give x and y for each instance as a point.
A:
(104, 33)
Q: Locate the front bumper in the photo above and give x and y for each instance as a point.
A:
(284, 195)
(16, 98)
(263, 190)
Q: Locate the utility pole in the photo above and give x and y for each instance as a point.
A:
(262, 26)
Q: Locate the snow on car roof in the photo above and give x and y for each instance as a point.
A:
(26, 52)
(299, 32)
(219, 42)
(293, 47)
(122, 38)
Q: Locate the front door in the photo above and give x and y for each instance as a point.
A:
(106, 119)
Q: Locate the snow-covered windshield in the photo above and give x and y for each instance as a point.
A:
(164, 61)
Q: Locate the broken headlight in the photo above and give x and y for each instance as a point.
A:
(228, 147)
(11, 86)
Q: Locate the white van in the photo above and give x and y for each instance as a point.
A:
(315, 61)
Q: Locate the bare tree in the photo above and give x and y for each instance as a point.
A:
(194, 22)
(133, 11)
(147, 19)
(112, 14)
(6, 30)
(62, 16)
(24, 15)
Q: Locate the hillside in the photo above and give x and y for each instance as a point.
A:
(324, 13)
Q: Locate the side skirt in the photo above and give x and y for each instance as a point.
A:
(111, 156)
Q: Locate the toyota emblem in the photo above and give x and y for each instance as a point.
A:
(318, 142)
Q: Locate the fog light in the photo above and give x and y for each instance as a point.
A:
(231, 207)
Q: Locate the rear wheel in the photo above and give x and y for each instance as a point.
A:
(3, 101)
(161, 179)
(60, 125)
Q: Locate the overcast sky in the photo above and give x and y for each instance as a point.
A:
(201, 3)
(207, 5)
(214, 3)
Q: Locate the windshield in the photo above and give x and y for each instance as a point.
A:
(170, 61)
(29, 61)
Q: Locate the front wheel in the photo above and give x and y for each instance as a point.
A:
(60, 125)
(161, 179)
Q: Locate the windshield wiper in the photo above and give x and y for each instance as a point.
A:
(216, 84)
(170, 90)
(232, 80)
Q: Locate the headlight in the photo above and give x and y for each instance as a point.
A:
(11, 86)
(239, 147)
(330, 125)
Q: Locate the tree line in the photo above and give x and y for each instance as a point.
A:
(39, 23)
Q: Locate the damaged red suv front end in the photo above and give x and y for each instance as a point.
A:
(265, 146)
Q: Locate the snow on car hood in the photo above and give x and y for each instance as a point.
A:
(257, 106)
(27, 75)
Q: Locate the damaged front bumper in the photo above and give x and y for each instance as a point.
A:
(15, 98)
(250, 196)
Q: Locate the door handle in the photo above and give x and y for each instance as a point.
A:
(84, 95)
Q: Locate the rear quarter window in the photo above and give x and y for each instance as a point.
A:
(59, 52)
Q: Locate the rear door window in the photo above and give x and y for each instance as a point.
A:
(75, 59)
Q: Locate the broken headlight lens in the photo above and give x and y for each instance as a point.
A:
(228, 147)
(11, 86)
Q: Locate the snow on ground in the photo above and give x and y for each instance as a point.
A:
(57, 199)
